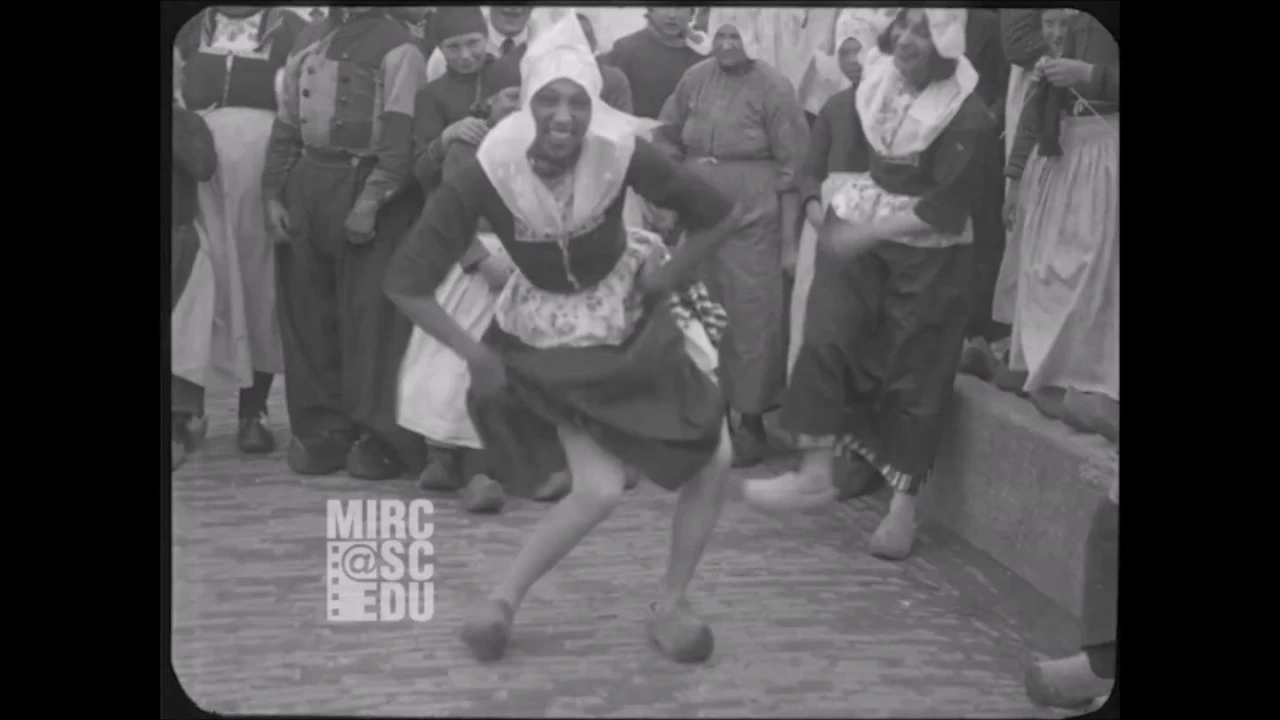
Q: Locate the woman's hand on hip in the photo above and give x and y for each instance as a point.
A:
(654, 278)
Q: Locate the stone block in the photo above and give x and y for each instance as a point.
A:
(1020, 487)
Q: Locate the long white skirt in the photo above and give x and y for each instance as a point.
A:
(1066, 328)
(224, 325)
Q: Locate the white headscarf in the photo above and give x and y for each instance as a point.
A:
(863, 25)
(823, 78)
(935, 107)
(560, 52)
(742, 18)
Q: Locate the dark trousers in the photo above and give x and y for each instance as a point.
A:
(988, 239)
(343, 339)
(882, 341)
(1101, 582)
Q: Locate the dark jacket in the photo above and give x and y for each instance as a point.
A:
(195, 160)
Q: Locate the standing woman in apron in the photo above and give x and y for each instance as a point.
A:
(736, 122)
(1066, 167)
(231, 56)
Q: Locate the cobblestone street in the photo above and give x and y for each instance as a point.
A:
(806, 622)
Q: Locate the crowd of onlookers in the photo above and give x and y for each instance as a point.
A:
(937, 192)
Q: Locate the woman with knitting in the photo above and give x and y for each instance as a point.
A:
(1065, 212)
(889, 302)
(585, 361)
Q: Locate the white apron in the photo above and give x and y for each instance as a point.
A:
(224, 325)
(432, 393)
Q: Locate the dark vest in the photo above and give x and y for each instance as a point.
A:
(358, 47)
(232, 81)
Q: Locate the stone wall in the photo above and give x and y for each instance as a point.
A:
(1020, 487)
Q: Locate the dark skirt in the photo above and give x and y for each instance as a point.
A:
(645, 402)
(882, 340)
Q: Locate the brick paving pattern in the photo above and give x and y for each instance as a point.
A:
(806, 623)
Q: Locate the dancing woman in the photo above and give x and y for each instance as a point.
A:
(889, 302)
(585, 361)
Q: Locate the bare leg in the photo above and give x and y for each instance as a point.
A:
(598, 479)
(671, 622)
(697, 511)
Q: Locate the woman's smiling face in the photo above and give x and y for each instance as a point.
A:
(913, 47)
(561, 113)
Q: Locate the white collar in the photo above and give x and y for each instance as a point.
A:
(496, 38)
